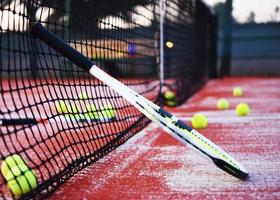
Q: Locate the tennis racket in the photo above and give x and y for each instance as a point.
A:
(164, 119)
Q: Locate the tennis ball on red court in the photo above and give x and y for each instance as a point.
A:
(199, 121)
(222, 104)
(23, 184)
(61, 107)
(13, 166)
(242, 109)
(237, 92)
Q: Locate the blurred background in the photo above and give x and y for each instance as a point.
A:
(254, 29)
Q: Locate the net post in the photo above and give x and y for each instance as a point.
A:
(162, 7)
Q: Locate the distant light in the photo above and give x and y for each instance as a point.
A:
(169, 44)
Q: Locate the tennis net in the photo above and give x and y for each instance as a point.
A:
(78, 119)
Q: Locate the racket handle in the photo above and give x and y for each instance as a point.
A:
(62, 47)
(9, 122)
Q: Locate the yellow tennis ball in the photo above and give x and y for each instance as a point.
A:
(78, 116)
(169, 95)
(13, 166)
(73, 109)
(242, 109)
(237, 92)
(91, 115)
(90, 108)
(171, 103)
(108, 112)
(91, 112)
(14, 172)
(61, 107)
(222, 104)
(23, 184)
(199, 121)
(83, 96)
(170, 98)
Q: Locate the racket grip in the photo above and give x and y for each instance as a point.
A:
(61, 46)
(10, 122)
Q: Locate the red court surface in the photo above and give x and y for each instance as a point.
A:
(153, 165)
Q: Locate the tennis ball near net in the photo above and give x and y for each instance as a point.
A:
(171, 103)
(13, 166)
(90, 116)
(242, 109)
(108, 112)
(72, 108)
(169, 95)
(237, 92)
(222, 104)
(199, 121)
(20, 179)
(91, 112)
(61, 107)
(90, 108)
(170, 98)
(23, 184)
(66, 108)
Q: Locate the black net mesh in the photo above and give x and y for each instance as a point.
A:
(57, 99)
(189, 47)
